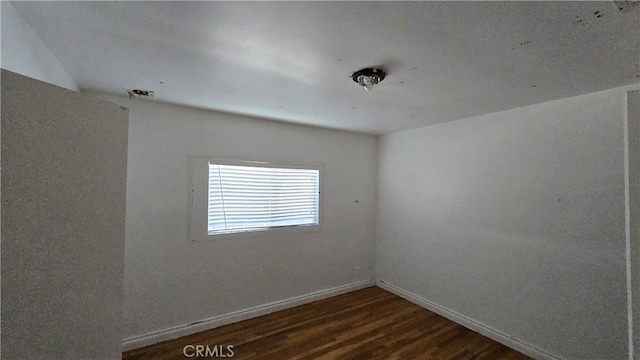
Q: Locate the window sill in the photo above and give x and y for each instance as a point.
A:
(302, 229)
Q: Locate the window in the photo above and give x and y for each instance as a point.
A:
(242, 196)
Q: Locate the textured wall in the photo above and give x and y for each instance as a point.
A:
(64, 162)
(515, 220)
(186, 281)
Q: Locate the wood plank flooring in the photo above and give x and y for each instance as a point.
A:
(366, 324)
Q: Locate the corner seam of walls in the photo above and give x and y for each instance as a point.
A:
(70, 82)
(627, 225)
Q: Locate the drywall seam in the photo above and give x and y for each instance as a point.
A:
(216, 321)
(469, 323)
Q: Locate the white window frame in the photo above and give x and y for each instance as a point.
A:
(199, 197)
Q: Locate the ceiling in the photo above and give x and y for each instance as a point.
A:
(290, 61)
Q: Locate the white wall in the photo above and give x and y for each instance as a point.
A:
(515, 220)
(63, 222)
(633, 214)
(172, 281)
(24, 53)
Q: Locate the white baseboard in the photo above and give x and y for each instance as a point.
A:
(139, 341)
(474, 325)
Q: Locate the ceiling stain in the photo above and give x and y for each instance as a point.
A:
(623, 6)
(627, 5)
(580, 22)
(522, 44)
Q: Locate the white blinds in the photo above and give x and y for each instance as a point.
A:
(249, 198)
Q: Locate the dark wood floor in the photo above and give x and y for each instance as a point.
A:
(366, 324)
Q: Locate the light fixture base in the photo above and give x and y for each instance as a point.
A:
(368, 77)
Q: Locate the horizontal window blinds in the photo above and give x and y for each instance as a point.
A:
(249, 198)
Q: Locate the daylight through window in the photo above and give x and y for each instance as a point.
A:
(257, 198)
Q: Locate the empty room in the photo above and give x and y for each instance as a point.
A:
(320, 180)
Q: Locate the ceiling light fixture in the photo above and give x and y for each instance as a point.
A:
(368, 77)
(139, 93)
